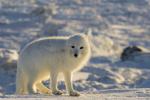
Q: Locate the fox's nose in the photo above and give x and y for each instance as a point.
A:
(76, 55)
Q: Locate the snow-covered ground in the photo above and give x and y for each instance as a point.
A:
(115, 25)
(109, 94)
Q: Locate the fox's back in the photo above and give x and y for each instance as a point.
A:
(50, 44)
(43, 50)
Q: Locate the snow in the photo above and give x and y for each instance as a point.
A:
(110, 94)
(115, 25)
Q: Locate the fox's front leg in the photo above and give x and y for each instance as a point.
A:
(68, 81)
(54, 84)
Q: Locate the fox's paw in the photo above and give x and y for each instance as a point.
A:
(73, 93)
(58, 92)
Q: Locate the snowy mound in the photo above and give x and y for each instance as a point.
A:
(8, 59)
(136, 55)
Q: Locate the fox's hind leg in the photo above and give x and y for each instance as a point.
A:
(21, 83)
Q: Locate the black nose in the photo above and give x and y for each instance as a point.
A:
(75, 55)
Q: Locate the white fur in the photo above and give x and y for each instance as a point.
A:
(45, 58)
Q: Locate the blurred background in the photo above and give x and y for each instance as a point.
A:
(115, 24)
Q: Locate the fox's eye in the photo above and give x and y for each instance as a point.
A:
(72, 46)
(81, 47)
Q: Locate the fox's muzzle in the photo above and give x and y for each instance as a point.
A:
(75, 55)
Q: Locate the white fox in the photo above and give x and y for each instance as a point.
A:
(47, 57)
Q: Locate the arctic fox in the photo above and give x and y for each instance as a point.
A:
(47, 57)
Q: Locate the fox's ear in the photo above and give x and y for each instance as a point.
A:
(88, 33)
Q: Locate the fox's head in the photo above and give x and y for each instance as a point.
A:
(78, 45)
